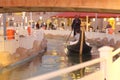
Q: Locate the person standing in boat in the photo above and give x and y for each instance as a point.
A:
(37, 25)
(76, 24)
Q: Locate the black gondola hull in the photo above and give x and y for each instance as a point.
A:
(76, 48)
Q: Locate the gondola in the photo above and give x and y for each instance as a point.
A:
(75, 48)
(74, 56)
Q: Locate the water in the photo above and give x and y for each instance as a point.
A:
(55, 58)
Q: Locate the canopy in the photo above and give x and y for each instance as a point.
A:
(84, 14)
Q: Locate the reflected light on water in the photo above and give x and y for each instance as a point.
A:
(54, 52)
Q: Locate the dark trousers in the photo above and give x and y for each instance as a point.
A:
(76, 31)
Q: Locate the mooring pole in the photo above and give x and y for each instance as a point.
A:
(4, 25)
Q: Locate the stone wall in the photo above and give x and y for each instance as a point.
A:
(18, 49)
(94, 38)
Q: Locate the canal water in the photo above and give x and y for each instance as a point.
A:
(54, 58)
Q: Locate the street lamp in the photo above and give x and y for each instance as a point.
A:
(0, 19)
(0, 15)
(23, 16)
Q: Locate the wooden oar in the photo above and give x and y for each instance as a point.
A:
(69, 36)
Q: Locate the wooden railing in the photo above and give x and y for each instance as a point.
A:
(67, 70)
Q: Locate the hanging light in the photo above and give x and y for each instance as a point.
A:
(8, 19)
(93, 19)
(13, 18)
(1, 23)
(117, 19)
(40, 17)
(105, 19)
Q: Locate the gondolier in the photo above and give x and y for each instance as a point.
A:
(76, 24)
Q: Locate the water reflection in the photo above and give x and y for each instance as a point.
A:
(74, 58)
(36, 66)
(21, 72)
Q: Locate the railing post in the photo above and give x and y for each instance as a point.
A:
(106, 66)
